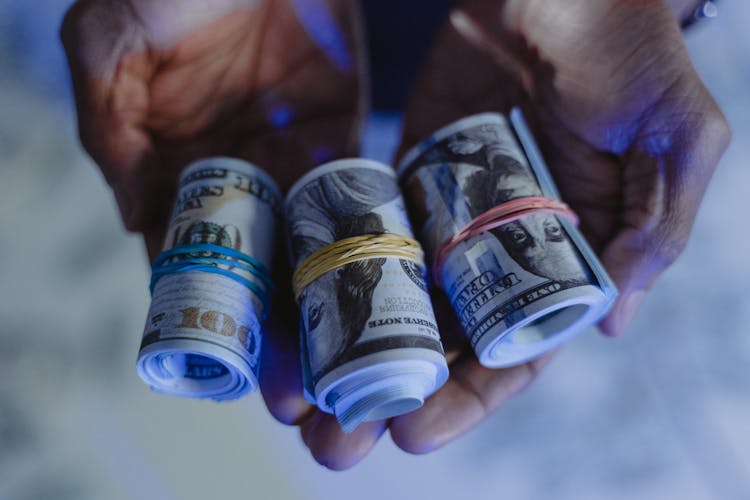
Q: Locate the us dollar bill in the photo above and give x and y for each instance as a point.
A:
(370, 344)
(202, 337)
(520, 289)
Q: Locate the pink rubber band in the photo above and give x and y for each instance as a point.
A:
(495, 217)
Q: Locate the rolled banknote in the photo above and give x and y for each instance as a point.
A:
(210, 286)
(522, 280)
(370, 344)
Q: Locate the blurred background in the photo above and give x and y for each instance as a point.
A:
(662, 412)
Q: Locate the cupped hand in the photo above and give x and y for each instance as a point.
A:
(629, 131)
(160, 83)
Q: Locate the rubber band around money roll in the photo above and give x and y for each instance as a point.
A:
(502, 214)
(190, 259)
(353, 249)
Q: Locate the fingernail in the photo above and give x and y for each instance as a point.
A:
(628, 309)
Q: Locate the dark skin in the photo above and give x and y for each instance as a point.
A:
(629, 131)
(150, 102)
(632, 153)
(152, 99)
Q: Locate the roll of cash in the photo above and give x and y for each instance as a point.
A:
(370, 345)
(526, 286)
(210, 287)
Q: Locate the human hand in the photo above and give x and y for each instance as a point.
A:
(160, 83)
(630, 133)
(141, 155)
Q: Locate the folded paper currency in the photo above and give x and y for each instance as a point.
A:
(210, 287)
(522, 278)
(370, 344)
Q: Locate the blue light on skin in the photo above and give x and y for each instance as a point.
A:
(659, 144)
(322, 154)
(320, 24)
(619, 138)
(280, 116)
(655, 140)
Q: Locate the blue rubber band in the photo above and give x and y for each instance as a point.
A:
(235, 259)
(255, 268)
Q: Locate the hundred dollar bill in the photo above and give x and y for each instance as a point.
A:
(203, 331)
(370, 343)
(520, 289)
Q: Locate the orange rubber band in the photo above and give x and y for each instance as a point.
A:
(495, 217)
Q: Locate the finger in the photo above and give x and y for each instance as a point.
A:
(335, 449)
(588, 180)
(280, 372)
(665, 177)
(280, 368)
(110, 68)
(469, 396)
(451, 331)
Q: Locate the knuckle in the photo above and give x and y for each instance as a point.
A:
(668, 253)
(92, 29)
(74, 21)
(671, 239)
(710, 136)
(674, 213)
(716, 128)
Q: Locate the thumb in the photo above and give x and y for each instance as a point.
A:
(665, 175)
(110, 67)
